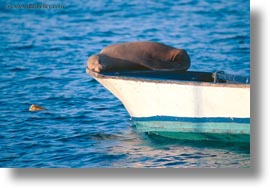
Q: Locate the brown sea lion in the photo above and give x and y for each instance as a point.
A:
(139, 56)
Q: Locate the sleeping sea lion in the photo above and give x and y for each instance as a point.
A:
(139, 56)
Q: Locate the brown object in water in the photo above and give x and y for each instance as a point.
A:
(139, 56)
(34, 107)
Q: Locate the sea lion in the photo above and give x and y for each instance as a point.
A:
(34, 107)
(139, 56)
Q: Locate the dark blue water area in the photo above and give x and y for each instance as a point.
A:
(43, 54)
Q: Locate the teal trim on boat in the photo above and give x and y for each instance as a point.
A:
(174, 126)
(197, 130)
(194, 119)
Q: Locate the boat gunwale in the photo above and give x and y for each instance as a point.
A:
(169, 81)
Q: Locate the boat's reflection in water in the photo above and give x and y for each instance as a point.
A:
(139, 149)
(209, 137)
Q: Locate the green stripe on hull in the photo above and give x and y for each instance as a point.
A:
(229, 132)
(175, 126)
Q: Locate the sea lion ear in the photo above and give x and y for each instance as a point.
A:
(175, 55)
(172, 58)
(182, 59)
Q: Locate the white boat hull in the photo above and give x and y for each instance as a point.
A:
(146, 99)
(183, 106)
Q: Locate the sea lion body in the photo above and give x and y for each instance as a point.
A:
(139, 56)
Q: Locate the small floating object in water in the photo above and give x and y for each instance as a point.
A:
(34, 107)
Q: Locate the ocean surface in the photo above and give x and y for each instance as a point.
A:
(43, 54)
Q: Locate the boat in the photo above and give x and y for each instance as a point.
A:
(183, 104)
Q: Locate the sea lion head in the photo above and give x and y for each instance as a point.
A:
(181, 58)
(34, 107)
(94, 63)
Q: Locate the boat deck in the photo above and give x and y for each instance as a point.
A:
(190, 76)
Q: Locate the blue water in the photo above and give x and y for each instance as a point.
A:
(43, 54)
